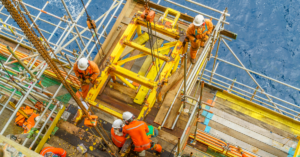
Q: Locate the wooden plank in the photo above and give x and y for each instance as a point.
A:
(25, 151)
(261, 113)
(262, 131)
(117, 95)
(126, 11)
(251, 134)
(243, 141)
(224, 105)
(123, 89)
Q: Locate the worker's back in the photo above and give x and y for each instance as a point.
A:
(137, 131)
(117, 140)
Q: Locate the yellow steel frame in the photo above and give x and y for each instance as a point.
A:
(297, 151)
(174, 12)
(114, 68)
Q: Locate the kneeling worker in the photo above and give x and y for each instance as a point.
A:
(87, 72)
(198, 33)
(138, 132)
(117, 135)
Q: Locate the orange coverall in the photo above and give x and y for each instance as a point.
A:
(29, 123)
(58, 151)
(92, 72)
(201, 34)
(117, 140)
(137, 131)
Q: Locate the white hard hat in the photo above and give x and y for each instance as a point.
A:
(199, 20)
(83, 64)
(37, 118)
(127, 115)
(117, 123)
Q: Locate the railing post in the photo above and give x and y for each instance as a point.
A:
(254, 93)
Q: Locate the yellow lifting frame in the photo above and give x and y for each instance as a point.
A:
(114, 57)
(121, 62)
(117, 70)
(163, 75)
(174, 12)
(146, 50)
(159, 27)
(125, 81)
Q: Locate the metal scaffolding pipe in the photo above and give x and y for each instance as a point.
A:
(207, 7)
(11, 95)
(246, 70)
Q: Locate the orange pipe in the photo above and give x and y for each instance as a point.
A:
(212, 137)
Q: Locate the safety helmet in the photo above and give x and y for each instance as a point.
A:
(199, 20)
(127, 116)
(117, 124)
(83, 64)
(37, 118)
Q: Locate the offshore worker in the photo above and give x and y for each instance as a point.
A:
(117, 135)
(198, 33)
(87, 72)
(138, 133)
(52, 151)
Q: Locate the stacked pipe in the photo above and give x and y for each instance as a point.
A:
(6, 53)
(219, 145)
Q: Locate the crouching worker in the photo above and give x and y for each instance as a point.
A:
(51, 151)
(138, 133)
(87, 72)
(117, 135)
(198, 33)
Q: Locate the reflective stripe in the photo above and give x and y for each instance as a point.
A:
(141, 146)
(116, 139)
(135, 127)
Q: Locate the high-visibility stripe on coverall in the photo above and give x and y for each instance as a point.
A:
(117, 140)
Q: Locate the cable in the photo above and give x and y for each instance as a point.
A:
(11, 78)
(151, 44)
(95, 32)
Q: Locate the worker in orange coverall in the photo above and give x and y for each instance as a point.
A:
(87, 72)
(198, 33)
(117, 135)
(138, 133)
(51, 151)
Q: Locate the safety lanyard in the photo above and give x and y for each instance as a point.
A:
(196, 32)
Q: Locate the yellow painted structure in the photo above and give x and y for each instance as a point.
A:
(261, 113)
(50, 129)
(297, 152)
(115, 70)
(173, 12)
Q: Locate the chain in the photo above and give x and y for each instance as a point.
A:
(19, 17)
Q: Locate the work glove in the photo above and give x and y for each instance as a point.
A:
(81, 80)
(195, 39)
(87, 81)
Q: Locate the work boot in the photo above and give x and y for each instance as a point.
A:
(193, 61)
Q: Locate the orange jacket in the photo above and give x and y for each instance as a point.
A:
(137, 131)
(91, 72)
(117, 140)
(58, 151)
(191, 32)
(29, 123)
